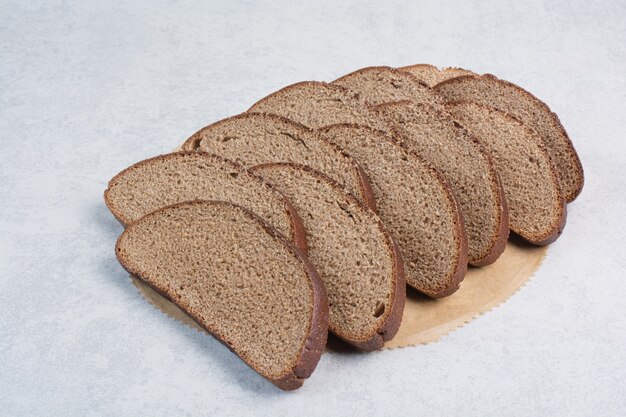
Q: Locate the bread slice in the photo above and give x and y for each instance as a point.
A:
(378, 85)
(239, 279)
(536, 207)
(416, 205)
(317, 104)
(353, 253)
(430, 132)
(255, 138)
(519, 103)
(431, 75)
(183, 176)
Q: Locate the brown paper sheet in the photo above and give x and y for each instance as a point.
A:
(426, 320)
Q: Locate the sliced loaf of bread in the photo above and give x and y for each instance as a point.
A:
(239, 279)
(184, 176)
(351, 250)
(431, 133)
(416, 205)
(317, 104)
(534, 113)
(431, 75)
(378, 85)
(536, 207)
(255, 138)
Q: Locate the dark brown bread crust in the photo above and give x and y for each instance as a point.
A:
(336, 87)
(367, 192)
(461, 265)
(390, 325)
(298, 236)
(559, 225)
(558, 230)
(458, 274)
(314, 344)
(433, 67)
(429, 66)
(580, 177)
(367, 195)
(293, 87)
(192, 143)
(500, 238)
(396, 71)
(431, 82)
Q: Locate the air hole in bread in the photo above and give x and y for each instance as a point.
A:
(380, 309)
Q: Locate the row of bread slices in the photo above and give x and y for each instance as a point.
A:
(380, 178)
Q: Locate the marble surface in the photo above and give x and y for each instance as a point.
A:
(87, 88)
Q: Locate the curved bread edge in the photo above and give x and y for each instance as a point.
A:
(383, 68)
(295, 86)
(436, 75)
(580, 177)
(298, 234)
(499, 239)
(458, 274)
(558, 227)
(502, 234)
(338, 89)
(391, 324)
(367, 195)
(460, 269)
(314, 344)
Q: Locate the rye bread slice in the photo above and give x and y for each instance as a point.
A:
(317, 104)
(378, 85)
(536, 206)
(534, 113)
(239, 279)
(352, 252)
(416, 205)
(184, 176)
(431, 132)
(431, 75)
(255, 138)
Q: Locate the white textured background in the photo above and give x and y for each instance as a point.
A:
(87, 88)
